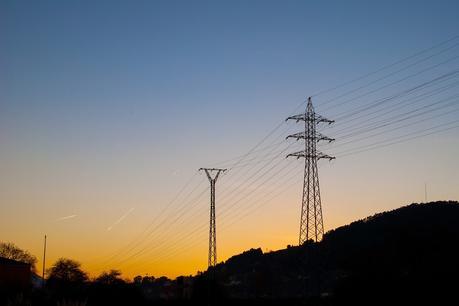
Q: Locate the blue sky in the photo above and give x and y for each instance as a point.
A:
(169, 64)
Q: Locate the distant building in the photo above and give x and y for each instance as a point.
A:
(14, 273)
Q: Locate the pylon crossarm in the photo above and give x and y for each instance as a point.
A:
(320, 119)
(314, 117)
(296, 154)
(297, 136)
(317, 156)
(302, 154)
(321, 137)
(209, 172)
(324, 156)
(296, 117)
(303, 135)
(212, 169)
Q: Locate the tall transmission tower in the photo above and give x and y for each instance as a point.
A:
(212, 175)
(311, 222)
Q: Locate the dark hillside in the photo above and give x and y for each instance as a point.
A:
(411, 251)
(407, 252)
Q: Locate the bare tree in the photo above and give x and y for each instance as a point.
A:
(11, 251)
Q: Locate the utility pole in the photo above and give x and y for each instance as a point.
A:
(311, 222)
(212, 175)
(44, 263)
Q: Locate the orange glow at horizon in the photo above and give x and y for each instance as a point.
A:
(82, 233)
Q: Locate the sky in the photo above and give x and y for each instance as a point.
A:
(108, 109)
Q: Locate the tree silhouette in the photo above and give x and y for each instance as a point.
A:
(66, 271)
(11, 251)
(109, 278)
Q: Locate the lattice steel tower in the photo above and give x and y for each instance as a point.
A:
(311, 222)
(213, 225)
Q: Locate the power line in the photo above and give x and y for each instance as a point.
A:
(396, 128)
(379, 102)
(224, 211)
(385, 67)
(383, 144)
(239, 164)
(395, 82)
(176, 248)
(391, 74)
(154, 230)
(132, 244)
(400, 117)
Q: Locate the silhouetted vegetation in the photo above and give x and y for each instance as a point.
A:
(11, 251)
(407, 255)
(66, 271)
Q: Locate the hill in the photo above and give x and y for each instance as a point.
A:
(410, 252)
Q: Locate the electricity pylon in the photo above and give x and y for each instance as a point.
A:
(311, 222)
(213, 226)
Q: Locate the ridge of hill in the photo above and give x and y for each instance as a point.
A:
(412, 250)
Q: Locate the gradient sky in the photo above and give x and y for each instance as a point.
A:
(108, 108)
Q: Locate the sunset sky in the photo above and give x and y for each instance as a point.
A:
(109, 108)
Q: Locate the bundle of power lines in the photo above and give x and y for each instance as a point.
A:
(411, 98)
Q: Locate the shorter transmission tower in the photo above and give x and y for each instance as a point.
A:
(311, 222)
(212, 175)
